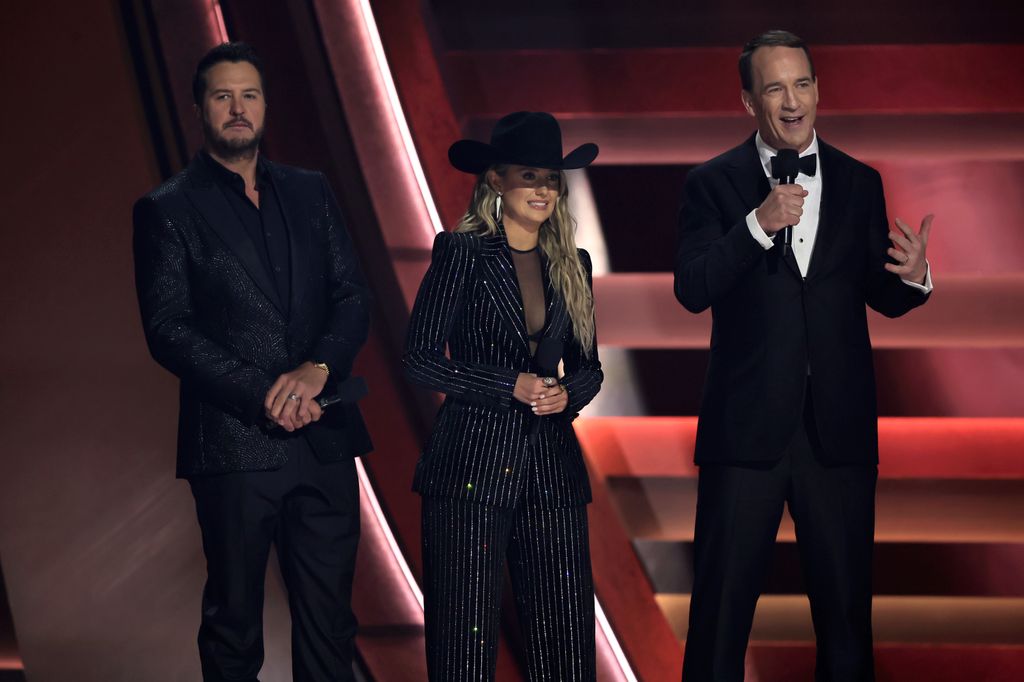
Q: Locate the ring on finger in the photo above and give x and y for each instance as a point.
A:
(293, 396)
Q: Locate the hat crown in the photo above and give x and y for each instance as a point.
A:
(534, 138)
(525, 138)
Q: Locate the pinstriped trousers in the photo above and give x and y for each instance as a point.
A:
(465, 546)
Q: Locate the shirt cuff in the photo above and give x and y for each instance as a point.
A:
(925, 288)
(757, 233)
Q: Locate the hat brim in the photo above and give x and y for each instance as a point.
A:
(471, 156)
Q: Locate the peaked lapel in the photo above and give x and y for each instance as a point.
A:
(298, 226)
(500, 274)
(748, 178)
(209, 200)
(835, 192)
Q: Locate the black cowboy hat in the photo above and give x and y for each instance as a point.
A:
(525, 138)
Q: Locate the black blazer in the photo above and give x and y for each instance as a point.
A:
(770, 325)
(212, 316)
(470, 302)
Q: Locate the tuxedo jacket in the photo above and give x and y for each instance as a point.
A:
(470, 303)
(774, 333)
(213, 317)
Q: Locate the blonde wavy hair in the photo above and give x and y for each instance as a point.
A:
(558, 244)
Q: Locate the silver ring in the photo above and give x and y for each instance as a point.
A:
(549, 381)
(292, 396)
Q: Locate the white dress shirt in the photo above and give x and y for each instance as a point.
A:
(805, 231)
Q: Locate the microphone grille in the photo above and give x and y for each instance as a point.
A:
(785, 164)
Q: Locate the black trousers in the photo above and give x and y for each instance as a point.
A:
(738, 513)
(465, 546)
(311, 512)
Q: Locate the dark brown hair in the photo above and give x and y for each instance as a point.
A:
(769, 39)
(225, 52)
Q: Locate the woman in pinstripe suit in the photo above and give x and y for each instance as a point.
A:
(502, 475)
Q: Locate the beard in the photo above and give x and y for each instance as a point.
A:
(231, 149)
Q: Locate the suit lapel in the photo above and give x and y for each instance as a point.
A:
(298, 232)
(500, 275)
(835, 178)
(748, 178)
(211, 204)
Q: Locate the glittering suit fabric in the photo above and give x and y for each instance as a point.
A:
(212, 316)
(465, 547)
(469, 301)
(489, 494)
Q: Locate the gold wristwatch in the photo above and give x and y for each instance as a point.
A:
(323, 366)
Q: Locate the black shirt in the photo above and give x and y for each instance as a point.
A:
(265, 224)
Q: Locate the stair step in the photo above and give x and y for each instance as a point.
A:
(641, 311)
(907, 510)
(975, 569)
(688, 140)
(934, 620)
(774, 662)
(919, 447)
(944, 78)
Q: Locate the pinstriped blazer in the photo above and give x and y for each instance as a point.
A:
(470, 302)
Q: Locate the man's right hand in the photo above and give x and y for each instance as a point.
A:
(783, 207)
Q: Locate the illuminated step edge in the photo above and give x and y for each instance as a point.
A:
(703, 80)
(776, 661)
(910, 447)
(932, 620)
(641, 311)
(903, 569)
(693, 139)
(907, 510)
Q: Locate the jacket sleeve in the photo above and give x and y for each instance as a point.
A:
(885, 292)
(583, 375)
(439, 305)
(348, 297)
(710, 260)
(175, 339)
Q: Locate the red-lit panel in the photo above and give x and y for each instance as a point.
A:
(866, 79)
(950, 448)
(967, 311)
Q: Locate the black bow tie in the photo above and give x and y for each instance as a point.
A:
(808, 165)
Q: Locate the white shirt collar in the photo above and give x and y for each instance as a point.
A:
(766, 153)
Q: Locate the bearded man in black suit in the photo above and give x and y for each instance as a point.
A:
(788, 414)
(252, 296)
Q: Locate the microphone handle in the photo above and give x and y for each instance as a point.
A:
(534, 435)
(787, 231)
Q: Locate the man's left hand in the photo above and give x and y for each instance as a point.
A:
(908, 250)
(290, 402)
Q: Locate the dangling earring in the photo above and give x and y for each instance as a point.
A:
(497, 208)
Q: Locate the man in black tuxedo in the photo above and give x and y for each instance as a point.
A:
(252, 296)
(788, 414)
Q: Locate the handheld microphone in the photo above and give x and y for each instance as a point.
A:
(785, 168)
(350, 390)
(546, 358)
